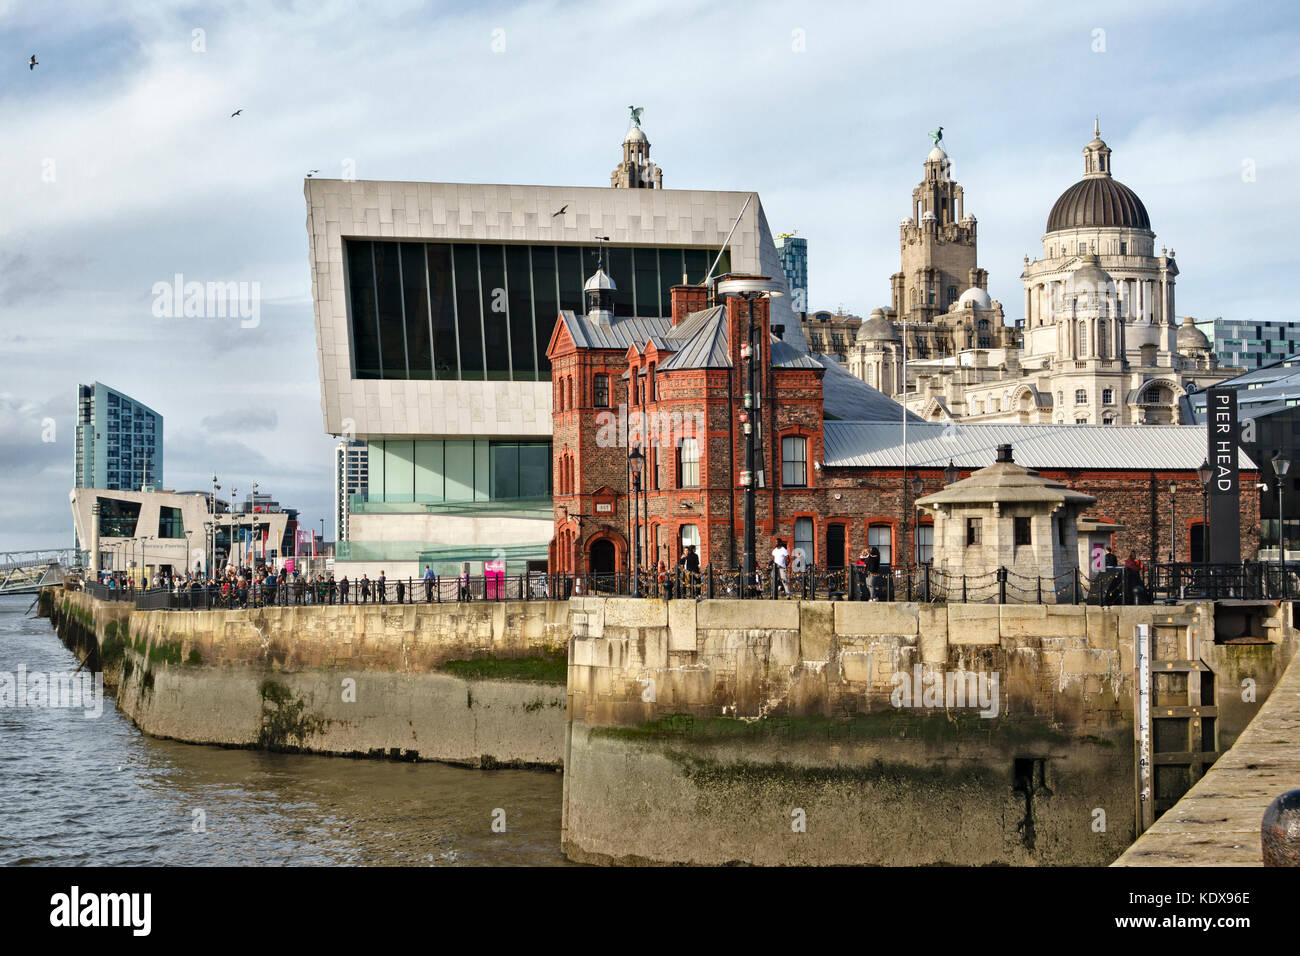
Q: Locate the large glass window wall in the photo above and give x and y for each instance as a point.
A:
(485, 311)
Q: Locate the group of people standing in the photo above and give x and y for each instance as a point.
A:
(866, 571)
(267, 585)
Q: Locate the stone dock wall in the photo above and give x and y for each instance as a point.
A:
(711, 732)
(772, 732)
(478, 684)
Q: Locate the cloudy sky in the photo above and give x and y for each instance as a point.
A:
(122, 168)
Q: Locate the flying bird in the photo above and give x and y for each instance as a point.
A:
(560, 212)
(236, 112)
(309, 174)
(32, 64)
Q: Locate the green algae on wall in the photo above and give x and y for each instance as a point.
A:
(284, 717)
(923, 727)
(552, 668)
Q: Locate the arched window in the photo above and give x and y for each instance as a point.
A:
(688, 463)
(881, 537)
(924, 543)
(803, 539)
(794, 461)
(690, 536)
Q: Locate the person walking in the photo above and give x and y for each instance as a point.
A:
(343, 590)
(381, 586)
(873, 573)
(692, 569)
(365, 588)
(860, 572)
(428, 584)
(780, 565)
(401, 591)
(464, 593)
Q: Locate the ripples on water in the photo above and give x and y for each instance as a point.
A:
(98, 792)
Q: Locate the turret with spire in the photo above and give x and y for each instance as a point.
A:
(637, 170)
(1096, 155)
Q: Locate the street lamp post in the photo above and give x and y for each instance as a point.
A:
(252, 525)
(1173, 523)
(917, 486)
(749, 288)
(1203, 474)
(636, 462)
(1281, 465)
(950, 473)
(234, 557)
(211, 527)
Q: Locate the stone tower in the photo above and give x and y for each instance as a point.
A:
(937, 247)
(636, 171)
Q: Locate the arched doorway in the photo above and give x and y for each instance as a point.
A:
(835, 557)
(601, 556)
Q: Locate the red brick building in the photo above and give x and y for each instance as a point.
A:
(674, 390)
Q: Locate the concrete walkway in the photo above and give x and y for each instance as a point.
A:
(1216, 823)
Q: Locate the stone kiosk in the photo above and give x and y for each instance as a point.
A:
(1006, 516)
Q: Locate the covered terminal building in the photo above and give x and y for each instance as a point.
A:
(434, 306)
(650, 420)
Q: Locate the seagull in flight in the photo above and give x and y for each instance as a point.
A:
(560, 212)
(236, 112)
(32, 64)
(312, 172)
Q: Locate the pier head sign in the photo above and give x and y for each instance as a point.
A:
(1223, 438)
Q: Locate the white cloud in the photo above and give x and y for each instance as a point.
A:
(152, 177)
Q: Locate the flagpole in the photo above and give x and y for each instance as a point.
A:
(904, 428)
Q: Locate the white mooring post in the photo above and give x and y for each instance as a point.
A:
(1145, 803)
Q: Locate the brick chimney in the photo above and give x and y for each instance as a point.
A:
(688, 299)
(738, 323)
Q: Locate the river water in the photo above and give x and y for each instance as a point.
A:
(98, 792)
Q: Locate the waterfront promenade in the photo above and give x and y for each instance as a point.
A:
(1216, 823)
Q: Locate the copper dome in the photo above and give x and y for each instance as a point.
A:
(1098, 201)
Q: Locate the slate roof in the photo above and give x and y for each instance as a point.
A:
(866, 444)
(622, 334)
(706, 346)
(845, 396)
(700, 341)
(785, 355)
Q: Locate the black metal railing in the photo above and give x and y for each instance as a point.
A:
(104, 592)
(921, 583)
